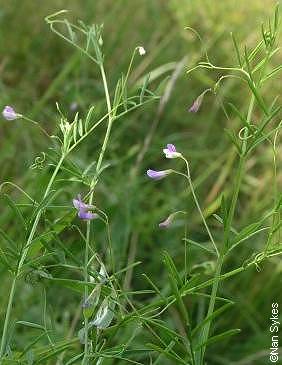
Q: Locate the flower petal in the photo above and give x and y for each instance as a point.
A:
(171, 147)
(9, 113)
(157, 175)
(105, 314)
(79, 204)
(170, 151)
(86, 215)
(166, 223)
(141, 50)
(198, 102)
(76, 203)
(196, 105)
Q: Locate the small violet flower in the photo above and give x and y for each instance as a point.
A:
(141, 50)
(158, 175)
(196, 105)
(9, 113)
(83, 209)
(198, 102)
(168, 221)
(170, 151)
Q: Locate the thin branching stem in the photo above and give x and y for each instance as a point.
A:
(227, 230)
(191, 186)
(93, 183)
(22, 260)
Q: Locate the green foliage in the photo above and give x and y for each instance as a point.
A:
(118, 289)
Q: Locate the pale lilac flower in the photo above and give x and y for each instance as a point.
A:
(198, 102)
(83, 209)
(105, 314)
(167, 222)
(196, 105)
(170, 151)
(141, 50)
(157, 175)
(9, 113)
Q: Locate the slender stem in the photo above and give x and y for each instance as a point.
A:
(22, 260)
(198, 205)
(206, 329)
(7, 318)
(227, 230)
(238, 178)
(86, 293)
(116, 102)
(88, 229)
(108, 132)
(37, 124)
(213, 295)
(276, 216)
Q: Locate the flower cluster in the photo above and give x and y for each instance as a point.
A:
(170, 151)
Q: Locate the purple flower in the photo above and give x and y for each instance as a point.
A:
(196, 105)
(198, 102)
(166, 223)
(157, 175)
(83, 209)
(170, 151)
(9, 113)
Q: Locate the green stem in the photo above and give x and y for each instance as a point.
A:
(227, 230)
(22, 260)
(198, 205)
(108, 132)
(86, 293)
(37, 124)
(206, 329)
(93, 183)
(7, 318)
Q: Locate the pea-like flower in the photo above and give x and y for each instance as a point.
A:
(170, 151)
(198, 102)
(105, 314)
(141, 50)
(9, 113)
(158, 175)
(168, 221)
(84, 210)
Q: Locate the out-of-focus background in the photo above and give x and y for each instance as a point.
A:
(38, 69)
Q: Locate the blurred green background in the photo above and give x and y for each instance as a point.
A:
(37, 69)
